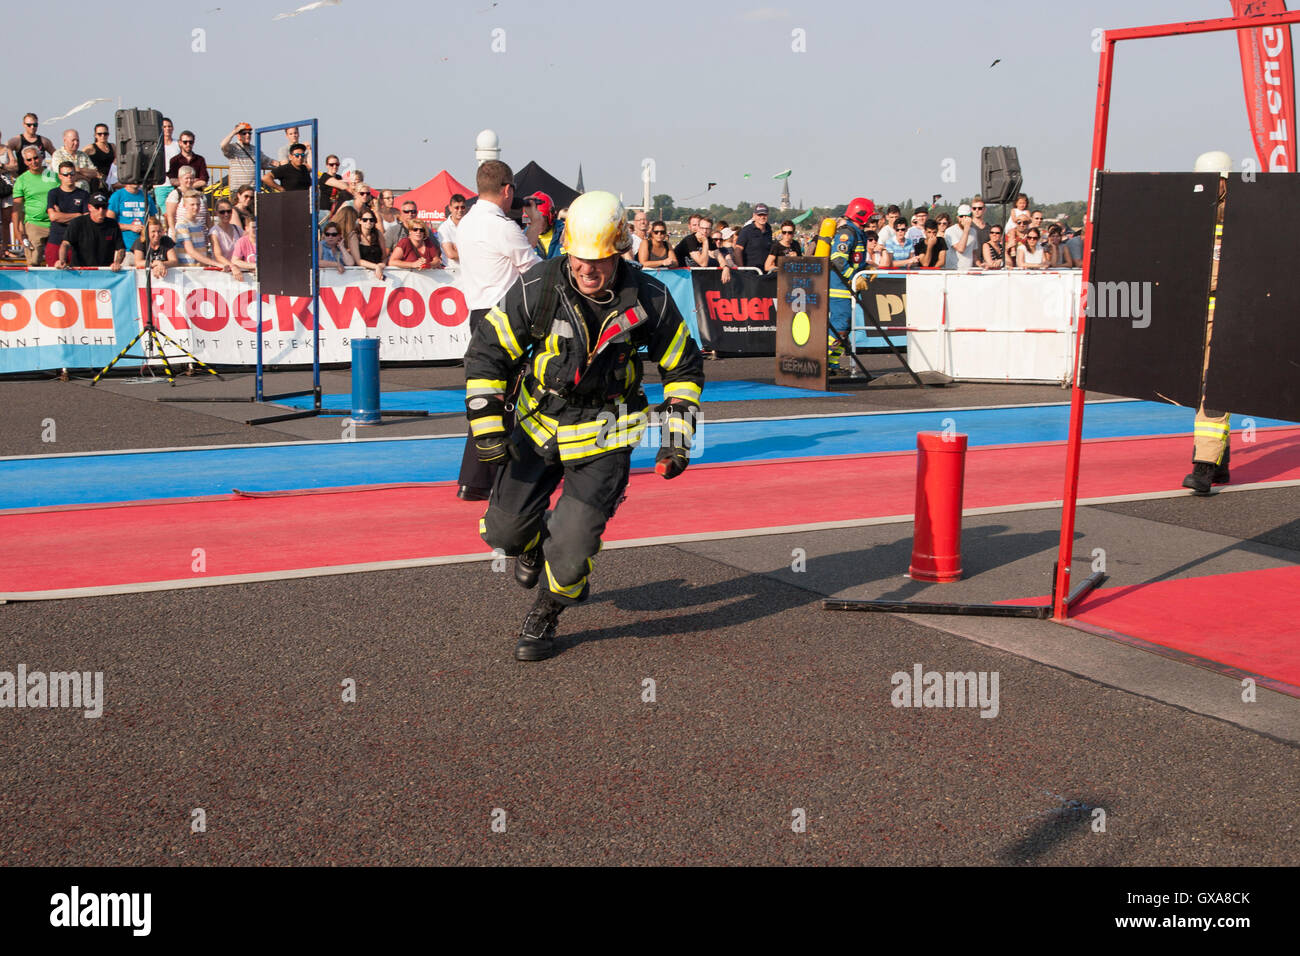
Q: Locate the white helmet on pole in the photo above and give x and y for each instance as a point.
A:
(1215, 161)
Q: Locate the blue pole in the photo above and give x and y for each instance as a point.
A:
(365, 381)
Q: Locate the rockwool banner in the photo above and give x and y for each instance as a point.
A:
(1269, 79)
(417, 316)
(52, 318)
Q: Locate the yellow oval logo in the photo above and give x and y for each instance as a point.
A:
(801, 329)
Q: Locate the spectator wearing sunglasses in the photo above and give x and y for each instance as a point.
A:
(1033, 254)
(994, 253)
(655, 253)
(366, 244)
(903, 252)
(31, 190)
(224, 233)
(333, 190)
(409, 216)
(30, 137)
(418, 250)
(877, 254)
(332, 250)
(964, 240)
(63, 205)
(291, 176)
(238, 148)
(187, 157)
(785, 245)
(101, 152)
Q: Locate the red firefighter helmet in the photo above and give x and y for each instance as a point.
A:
(860, 210)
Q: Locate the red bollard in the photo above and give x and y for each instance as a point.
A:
(936, 538)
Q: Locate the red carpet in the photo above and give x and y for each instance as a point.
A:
(108, 547)
(1256, 625)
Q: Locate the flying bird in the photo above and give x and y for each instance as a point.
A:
(995, 63)
(77, 109)
(306, 9)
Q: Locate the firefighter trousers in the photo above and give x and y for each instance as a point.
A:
(517, 519)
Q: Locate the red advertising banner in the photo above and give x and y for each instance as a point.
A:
(1269, 80)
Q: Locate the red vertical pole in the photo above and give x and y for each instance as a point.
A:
(1070, 499)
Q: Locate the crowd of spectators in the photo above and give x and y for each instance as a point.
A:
(202, 222)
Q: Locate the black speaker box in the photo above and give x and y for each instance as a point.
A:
(1000, 178)
(139, 133)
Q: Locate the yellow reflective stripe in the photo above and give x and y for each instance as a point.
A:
(1211, 430)
(573, 590)
(687, 390)
(680, 425)
(484, 386)
(838, 293)
(551, 351)
(676, 348)
(482, 527)
(486, 425)
(533, 543)
(505, 335)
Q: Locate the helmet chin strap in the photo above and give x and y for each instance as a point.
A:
(601, 298)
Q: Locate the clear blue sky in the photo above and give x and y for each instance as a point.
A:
(709, 91)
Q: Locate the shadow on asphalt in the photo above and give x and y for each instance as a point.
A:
(985, 548)
(753, 597)
(1056, 826)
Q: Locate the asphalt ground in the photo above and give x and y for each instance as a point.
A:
(702, 705)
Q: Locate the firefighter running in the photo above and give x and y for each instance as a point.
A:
(568, 335)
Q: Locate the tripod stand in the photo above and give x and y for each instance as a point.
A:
(149, 328)
(151, 343)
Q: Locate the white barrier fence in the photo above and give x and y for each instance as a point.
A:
(994, 326)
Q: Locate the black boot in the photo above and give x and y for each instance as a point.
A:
(1201, 478)
(528, 567)
(1221, 472)
(537, 638)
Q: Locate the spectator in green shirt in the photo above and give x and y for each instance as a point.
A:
(30, 192)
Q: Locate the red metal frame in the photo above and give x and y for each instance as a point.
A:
(1060, 609)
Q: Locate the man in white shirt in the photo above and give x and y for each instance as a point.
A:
(447, 231)
(494, 253)
(640, 233)
(964, 239)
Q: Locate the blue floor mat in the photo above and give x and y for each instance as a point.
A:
(84, 479)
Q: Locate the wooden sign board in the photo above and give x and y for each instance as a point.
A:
(802, 314)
